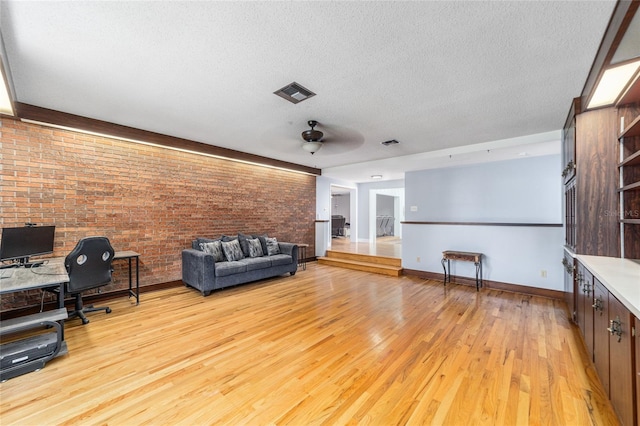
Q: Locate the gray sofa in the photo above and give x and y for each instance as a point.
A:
(202, 272)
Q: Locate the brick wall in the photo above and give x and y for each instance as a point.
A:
(147, 199)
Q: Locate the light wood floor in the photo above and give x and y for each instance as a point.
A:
(327, 346)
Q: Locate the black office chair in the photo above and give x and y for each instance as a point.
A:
(89, 267)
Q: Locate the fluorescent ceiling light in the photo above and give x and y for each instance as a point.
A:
(612, 83)
(376, 176)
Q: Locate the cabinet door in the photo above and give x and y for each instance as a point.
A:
(569, 150)
(587, 289)
(600, 332)
(569, 290)
(570, 214)
(579, 297)
(620, 362)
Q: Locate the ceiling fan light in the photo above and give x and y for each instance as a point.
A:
(312, 146)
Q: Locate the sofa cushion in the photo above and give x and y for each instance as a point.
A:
(223, 269)
(272, 246)
(255, 248)
(254, 263)
(214, 248)
(280, 259)
(232, 250)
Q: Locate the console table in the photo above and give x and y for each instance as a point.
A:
(302, 255)
(465, 256)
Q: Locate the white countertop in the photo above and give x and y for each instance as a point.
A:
(620, 276)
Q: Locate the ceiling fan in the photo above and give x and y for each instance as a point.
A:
(312, 138)
(332, 139)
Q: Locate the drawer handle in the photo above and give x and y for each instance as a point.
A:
(597, 305)
(615, 328)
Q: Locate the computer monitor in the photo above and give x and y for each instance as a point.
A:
(21, 243)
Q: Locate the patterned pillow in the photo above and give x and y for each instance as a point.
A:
(255, 248)
(243, 243)
(214, 248)
(263, 241)
(232, 250)
(272, 246)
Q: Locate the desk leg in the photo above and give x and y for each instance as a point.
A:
(137, 282)
(61, 305)
(130, 289)
(137, 293)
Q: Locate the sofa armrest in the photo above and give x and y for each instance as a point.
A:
(198, 270)
(290, 249)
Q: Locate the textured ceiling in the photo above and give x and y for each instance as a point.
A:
(433, 75)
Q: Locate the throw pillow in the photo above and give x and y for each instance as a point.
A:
(255, 248)
(213, 248)
(272, 246)
(263, 241)
(232, 250)
(243, 244)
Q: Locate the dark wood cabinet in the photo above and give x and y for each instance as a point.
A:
(621, 367)
(584, 309)
(608, 329)
(587, 300)
(570, 215)
(569, 284)
(569, 142)
(579, 297)
(601, 332)
(597, 177)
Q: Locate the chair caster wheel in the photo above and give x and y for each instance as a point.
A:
(85, 321)
(108, 310)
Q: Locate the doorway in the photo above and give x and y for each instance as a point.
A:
(343, 212)
(386, 213)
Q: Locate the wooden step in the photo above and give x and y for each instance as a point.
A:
(385, 265)
(367, 258)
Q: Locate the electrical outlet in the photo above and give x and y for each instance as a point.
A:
(418, 259)
(414, 208)
(543, 273)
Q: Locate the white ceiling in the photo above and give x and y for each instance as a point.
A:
(441, 77)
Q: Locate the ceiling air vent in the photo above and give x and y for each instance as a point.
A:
(390, 142)
(294, 93)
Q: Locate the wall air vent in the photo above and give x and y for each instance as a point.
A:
(390, 142)
(294, 93)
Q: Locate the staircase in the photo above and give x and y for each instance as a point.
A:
(363, 262)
